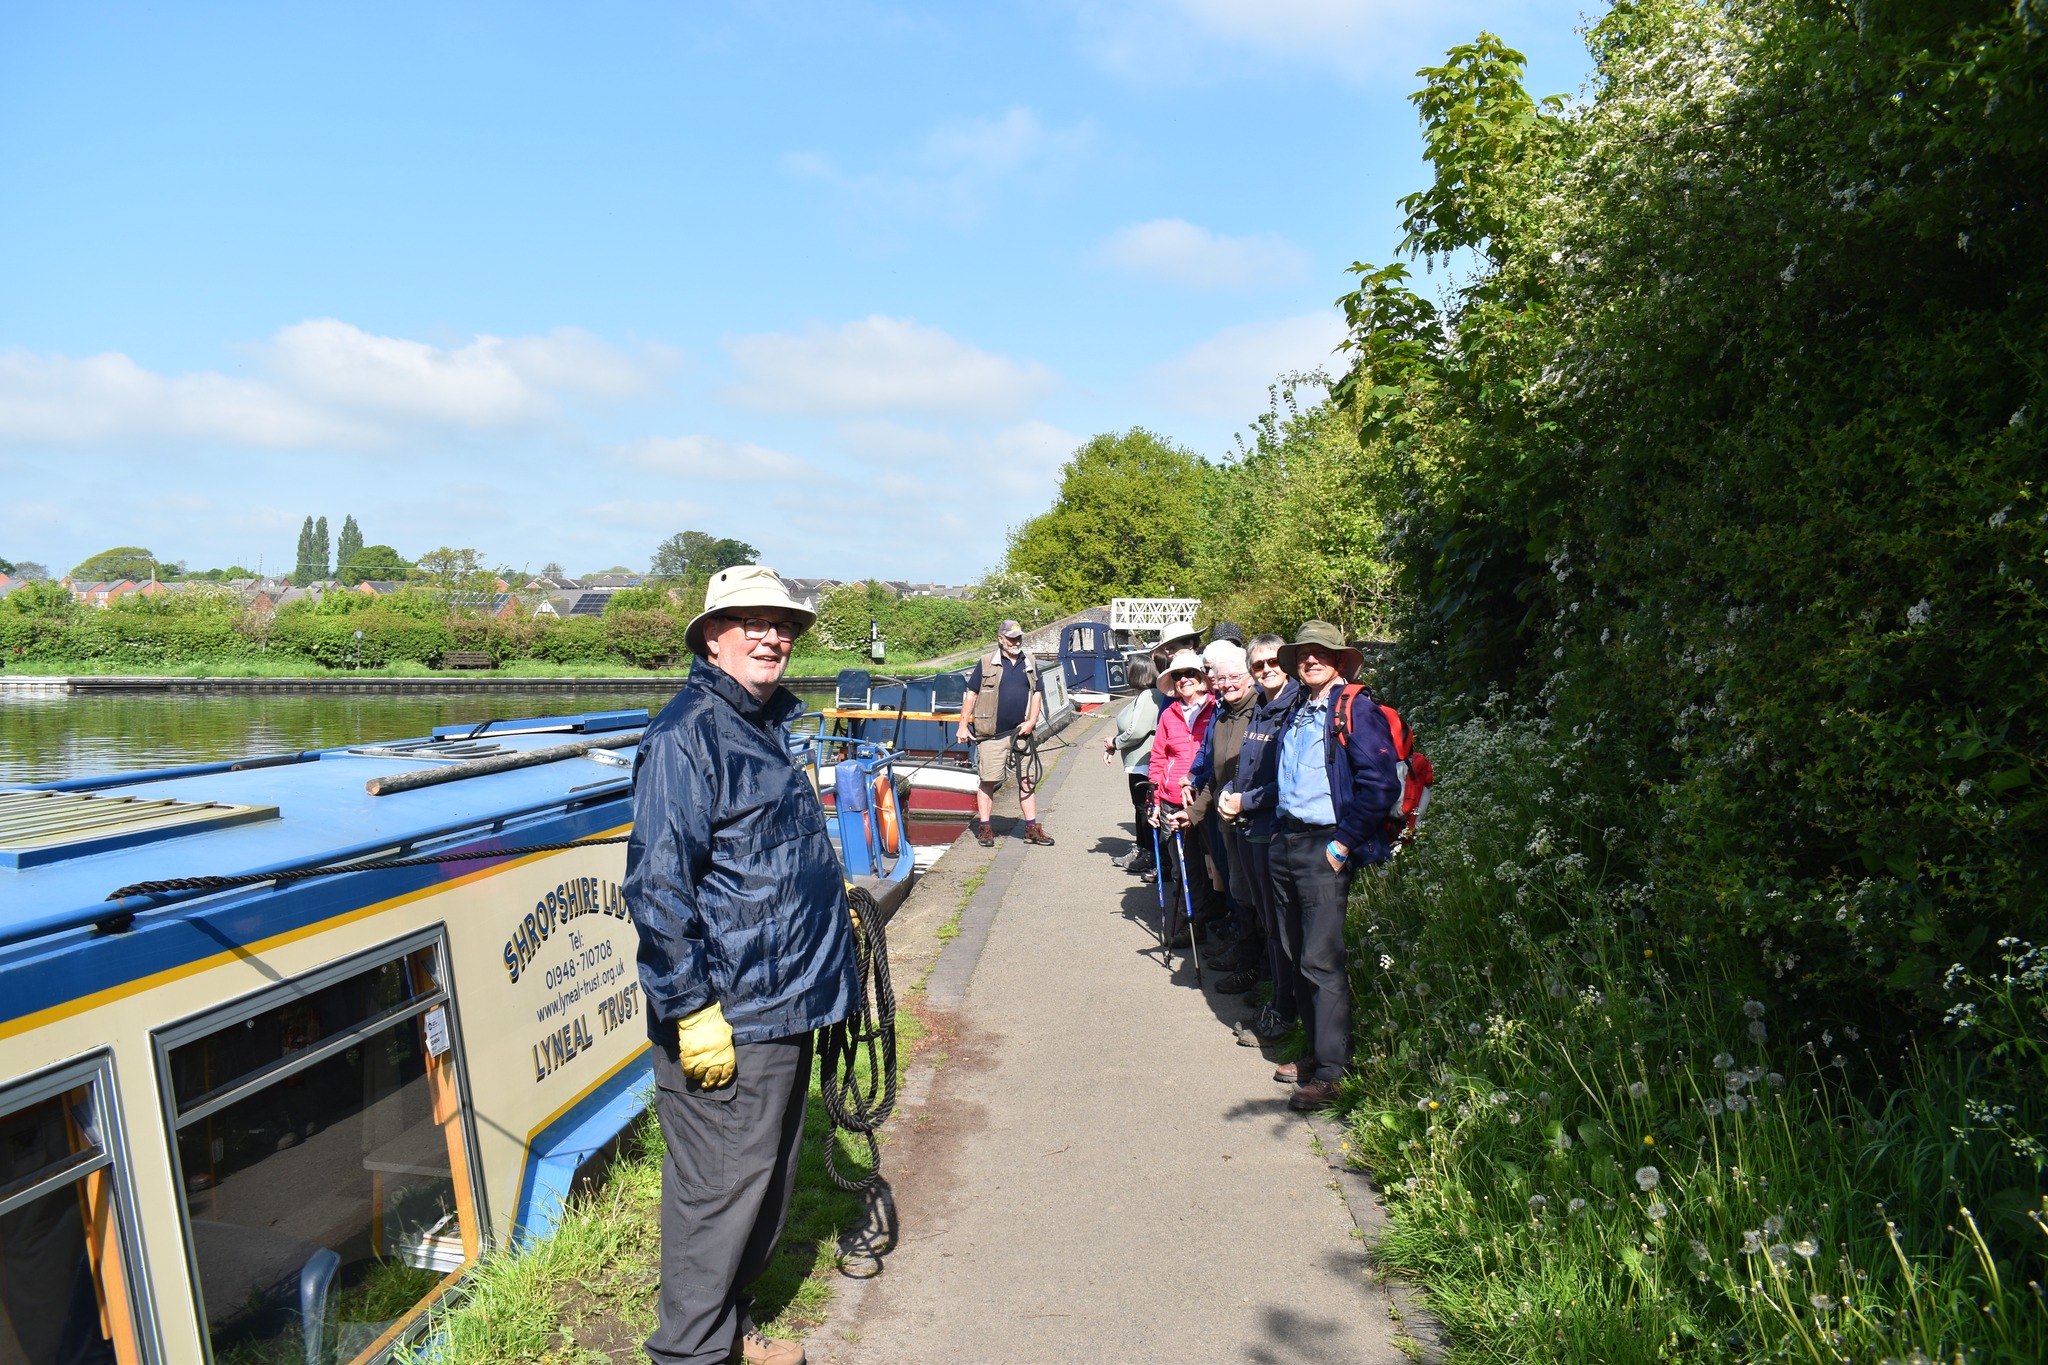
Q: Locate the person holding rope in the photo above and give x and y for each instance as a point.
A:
(1007, 704)
(746, 949)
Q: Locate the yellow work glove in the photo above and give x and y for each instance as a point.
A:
(704, 1047)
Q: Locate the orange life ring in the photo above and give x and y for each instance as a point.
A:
(885, 813)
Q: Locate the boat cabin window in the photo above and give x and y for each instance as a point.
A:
(323, 1159)
(64, 1283)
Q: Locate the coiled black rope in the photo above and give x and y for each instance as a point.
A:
(863, 1041)
(297, 874)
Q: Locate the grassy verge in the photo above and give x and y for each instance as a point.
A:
(811, 665)
(1595, 1147)
(587, 1293)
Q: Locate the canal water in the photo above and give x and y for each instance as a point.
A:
(45, 739)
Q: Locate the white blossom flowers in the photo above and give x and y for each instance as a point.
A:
(1647, 1178)
(1920, 613)
(1386, 963)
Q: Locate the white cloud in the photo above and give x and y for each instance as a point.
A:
(879, 365)
(955, 171)
(1025, 458)
(1179, 252)
(1176, 39)
(885, 440)
(660, 516)
(710, 457)
(1227, 375)
(322, 382)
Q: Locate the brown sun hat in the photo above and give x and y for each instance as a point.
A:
(1325, 636)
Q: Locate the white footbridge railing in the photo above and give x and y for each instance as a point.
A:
(1155, 615)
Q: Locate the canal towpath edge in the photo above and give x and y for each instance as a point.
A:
(1096, 1168)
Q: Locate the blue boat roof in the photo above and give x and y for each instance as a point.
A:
(323, 813)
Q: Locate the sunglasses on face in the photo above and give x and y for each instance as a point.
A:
(1184, 679)
(760, 627)
(1306, 656)
(1266, 665)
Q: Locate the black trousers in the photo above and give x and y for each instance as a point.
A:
(1141, 812)
(1257, 861)
(725, 1191)
(1308, 900)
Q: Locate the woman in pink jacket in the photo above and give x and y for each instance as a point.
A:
(1183, 724)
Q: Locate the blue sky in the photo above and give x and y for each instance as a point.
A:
(845, 280)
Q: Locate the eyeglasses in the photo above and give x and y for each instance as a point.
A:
(760, 627)
(1267, 665)
(1232, 679)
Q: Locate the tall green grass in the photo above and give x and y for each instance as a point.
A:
(592, 1284)
(1597, 1146)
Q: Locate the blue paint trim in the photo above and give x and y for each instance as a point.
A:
(589, 723)
(55, 969)
(88, 845)
(105, 780)
(555, 1153)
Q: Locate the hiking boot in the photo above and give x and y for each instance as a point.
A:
(1034, 833)
(1288, 1073)
(1312, 1095)
(1237, 983)
(755, 1349)
(1267, 1026)
(985, 835)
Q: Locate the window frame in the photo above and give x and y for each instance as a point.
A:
(96, 1070)
(169, 1037)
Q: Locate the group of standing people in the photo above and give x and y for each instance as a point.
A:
(1261, 782)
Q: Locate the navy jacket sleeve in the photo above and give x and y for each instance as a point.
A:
(673, 797)
(1203, 770)
(1374, 777)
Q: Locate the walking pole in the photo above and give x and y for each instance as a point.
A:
(1187, 896)
(1159, 884)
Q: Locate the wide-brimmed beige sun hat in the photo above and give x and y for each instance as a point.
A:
(1325, 636)
(735, 591)
(1187, 661)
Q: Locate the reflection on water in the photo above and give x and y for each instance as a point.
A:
(45, 739)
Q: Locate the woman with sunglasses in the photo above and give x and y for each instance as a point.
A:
(1249, 797)
(1183, 724)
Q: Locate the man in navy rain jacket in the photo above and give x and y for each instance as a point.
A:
(745, 950)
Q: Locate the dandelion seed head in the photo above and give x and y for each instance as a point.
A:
(1711, 1108)
(1647, 1178)
(1577, 1206)
(1638, 1090)
(1656, 1210)
(1822, 1302)
(1738, 1104)
(1757, 1032)
(1780, 1256)
(1752, 1243)
(1807, 1248)
(1753, 1008)
(1537, 1203)
(1700, 1252)
(1773, 1225)
(1475, 1029)
(1723, 1060)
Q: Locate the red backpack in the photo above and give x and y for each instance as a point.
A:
(1411, 763)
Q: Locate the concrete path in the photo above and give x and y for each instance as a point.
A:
(1098, 1171)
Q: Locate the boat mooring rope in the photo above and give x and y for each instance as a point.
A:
(855, 1104)
(297, 874)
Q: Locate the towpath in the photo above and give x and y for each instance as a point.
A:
(1086, 1166)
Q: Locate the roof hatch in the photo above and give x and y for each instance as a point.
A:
(38, 827)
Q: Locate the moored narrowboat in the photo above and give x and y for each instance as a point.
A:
(253, 1114)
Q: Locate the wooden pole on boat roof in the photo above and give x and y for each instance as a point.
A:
(495, 763)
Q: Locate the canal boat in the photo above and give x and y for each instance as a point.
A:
(917, 719)
(276, 1117)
